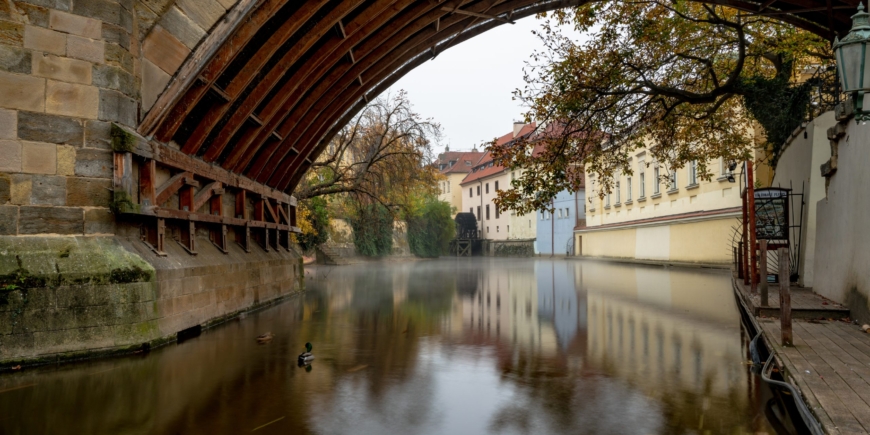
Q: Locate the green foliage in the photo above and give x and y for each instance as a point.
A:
(316, 229)
(431, 229)
(778, 105)
(373, 230)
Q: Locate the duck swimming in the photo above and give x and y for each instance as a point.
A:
(306, 357)
(265, 338)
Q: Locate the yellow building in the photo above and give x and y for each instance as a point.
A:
(662, 215)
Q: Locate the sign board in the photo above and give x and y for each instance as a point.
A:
(771, 214)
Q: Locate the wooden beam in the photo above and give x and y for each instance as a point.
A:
(241, 205)
(219, 48)
(167, 189)
(475, 14)
(147, 179)
(264, 85)
(206, 193)
(271, 210)
(276, 110)
(122, 175)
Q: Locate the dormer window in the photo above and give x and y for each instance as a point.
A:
(468, 163)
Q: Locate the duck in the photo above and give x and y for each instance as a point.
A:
(265, 338)
(306, 357)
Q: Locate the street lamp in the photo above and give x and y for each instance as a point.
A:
(852, 57)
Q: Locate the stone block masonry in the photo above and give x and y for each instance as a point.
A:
(77, 280)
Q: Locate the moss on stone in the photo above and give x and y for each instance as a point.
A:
(122, 202)
(122, 140)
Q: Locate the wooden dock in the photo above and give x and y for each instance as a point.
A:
(830, 364)
(829, 361)
(804, 304)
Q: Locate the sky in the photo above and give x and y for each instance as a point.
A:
(468, 89)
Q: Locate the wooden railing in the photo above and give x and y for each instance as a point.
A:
(154, 181)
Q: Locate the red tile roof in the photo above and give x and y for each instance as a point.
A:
(459, 157)
(482, 168)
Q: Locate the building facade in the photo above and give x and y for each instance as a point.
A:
(555, 234)
(662, 215)
(455, 166)
(480, 188)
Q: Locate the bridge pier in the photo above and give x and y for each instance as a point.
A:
(81, 272)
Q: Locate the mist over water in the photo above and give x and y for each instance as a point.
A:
(448, 346)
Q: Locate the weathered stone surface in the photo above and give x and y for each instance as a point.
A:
(103, 10)
(118, 56)
(38, 158)
(8, 124)
(22, 186)
(180, 25)
(72, 100)
(61, 68)
(88, 192)
(126, 20)
(39, 127)
(10, 156)
(47, 40)
(91, 50)
(22, 92)
(99, 221)
(203, 12)
(93, 163)
(115, 106)
(98, 134)
(50, 220)
(14, 59)
(74, 24)
(48, 190)
(36, 15)
(62, 5)
(165, 50)
(8, 220)
(11, 33)
(111, 77)
(113, 34)
(5, 188)
(146, 18)
(66, 160)
(154, 81)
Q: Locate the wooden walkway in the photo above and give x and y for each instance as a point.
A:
(830, 365)
(804, 304)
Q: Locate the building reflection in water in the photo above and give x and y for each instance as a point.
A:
(431, 347)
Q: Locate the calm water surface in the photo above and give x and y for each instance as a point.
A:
(432, 347)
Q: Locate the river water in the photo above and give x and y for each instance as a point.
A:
(449, 346)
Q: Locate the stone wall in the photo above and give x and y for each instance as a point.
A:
(65, 298)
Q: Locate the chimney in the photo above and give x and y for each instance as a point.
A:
(518, 126)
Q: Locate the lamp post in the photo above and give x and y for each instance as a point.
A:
(852, 58)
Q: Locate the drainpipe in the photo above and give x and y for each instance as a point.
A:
(553, 229)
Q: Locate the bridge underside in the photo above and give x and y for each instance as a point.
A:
(270, 85)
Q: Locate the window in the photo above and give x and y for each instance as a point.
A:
(513, 175)
(508, 228)
(693, 173)
(487, 212)
(497, 213)
(723, 168)
(478, 213)
(487, 229)
(560, 213)
(470, 192)
(542, 215)
(468, 163)
(496, 228)
(617, 193)
(478, 190)
(658, 182)
(628, 189)
(642, 185)
(567, 213)
(487, 187)
(448, 186)
(673, 180)
(496, 186)
(607, 200)
(471, 210)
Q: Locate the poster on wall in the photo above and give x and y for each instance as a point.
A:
(771, 214)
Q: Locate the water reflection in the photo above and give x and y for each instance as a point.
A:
(435, 347)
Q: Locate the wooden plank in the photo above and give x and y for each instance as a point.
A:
(172, 185)
(122, 174)
(168, 213)
(219, 48)
(271, 210)
(241, 204)
(854, 337)
(844, 355)
(147, 180)
(762, 259)
(265, 83)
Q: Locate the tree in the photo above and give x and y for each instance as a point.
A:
(373, 230)
(313, 220)
(669, 75)
(431, 228)
(384, 155)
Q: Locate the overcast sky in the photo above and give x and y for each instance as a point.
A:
(468, 88)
